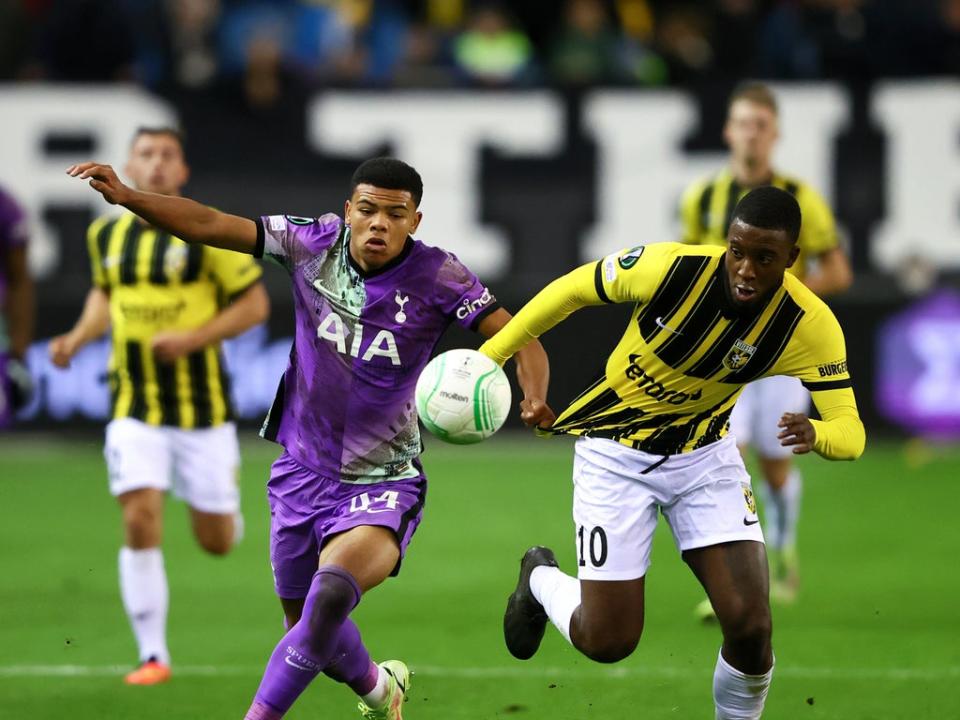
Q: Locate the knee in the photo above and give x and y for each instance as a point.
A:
(216, 544)
(609, 650)
(332, 599)
(749, 630)
(142, 525)
(607, 645)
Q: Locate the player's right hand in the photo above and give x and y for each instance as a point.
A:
(61, 350)
(103, 179)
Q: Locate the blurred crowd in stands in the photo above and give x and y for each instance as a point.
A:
(263, 48)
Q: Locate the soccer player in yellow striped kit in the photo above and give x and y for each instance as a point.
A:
(653, 437)
(751, 132)
(168, 305)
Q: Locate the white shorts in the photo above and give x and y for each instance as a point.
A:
(200, 465)
(705, 495)
(759, 408)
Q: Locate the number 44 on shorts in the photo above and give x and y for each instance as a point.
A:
(384, 503)
(592, 544)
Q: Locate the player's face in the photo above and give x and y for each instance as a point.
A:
(157, 164)
(751, 131)
(380, 221)
(755, 260)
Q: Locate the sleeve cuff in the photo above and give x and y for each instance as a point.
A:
(478, 318)
(258, 248)
(598, 283)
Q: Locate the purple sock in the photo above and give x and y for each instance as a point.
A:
(351, 663)
(309, 646)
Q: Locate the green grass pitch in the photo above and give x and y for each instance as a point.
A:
(876, 633)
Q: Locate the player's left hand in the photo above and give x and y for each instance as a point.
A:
(536, 413)
(170, 345)
(797, 432)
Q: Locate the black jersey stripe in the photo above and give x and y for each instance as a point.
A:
(671, 293)
(167, 394)
(701, 319)
(225, 387)
(670, 438)
(103, 239)
(733, 193)
(771, 343)
(200, 388)
(135, 369)
(161, 244)
(128, 255)
(604, 401)
(815, 385)
(791, 187)
(598, 283)
(705, 198)
(712, 360)
(194, 262)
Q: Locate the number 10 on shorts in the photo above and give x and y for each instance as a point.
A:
(592, 543)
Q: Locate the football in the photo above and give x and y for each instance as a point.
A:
(462, 396)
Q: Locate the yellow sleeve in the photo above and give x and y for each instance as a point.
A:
(630, 275)
(818, 230)
(840, 434)
(97, 275)
(554, 303)
(691, 229)
(232, 271)
(819, 360)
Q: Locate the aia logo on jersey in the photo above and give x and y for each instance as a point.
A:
(739, 355)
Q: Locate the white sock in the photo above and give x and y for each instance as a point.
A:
(736, 695)
(238, 528)
(790, 494)
(143, 587)
(558, 593)
(375, 697)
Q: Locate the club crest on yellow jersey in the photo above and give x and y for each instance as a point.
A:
(175, 260)
(739, 355)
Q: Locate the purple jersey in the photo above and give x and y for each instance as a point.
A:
(13, 233)
(345, 406)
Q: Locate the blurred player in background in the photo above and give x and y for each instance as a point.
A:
(348, 492)
(16, 309)
(169, 305)
(653, 437)
(751, 132)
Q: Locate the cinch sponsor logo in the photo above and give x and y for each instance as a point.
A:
(470, 306)
(655, 388)
(830, 369)
(454, 396)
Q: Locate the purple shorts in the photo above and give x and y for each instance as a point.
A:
(307, 509)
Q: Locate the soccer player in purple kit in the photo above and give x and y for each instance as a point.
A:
(370, 304)
(16, 309)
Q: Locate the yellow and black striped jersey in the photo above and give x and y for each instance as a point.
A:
(157, 282)
(707, 208)
(670, 384)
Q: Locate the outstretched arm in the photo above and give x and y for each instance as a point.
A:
(187, 219)
(549, 307)
(533, 373)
